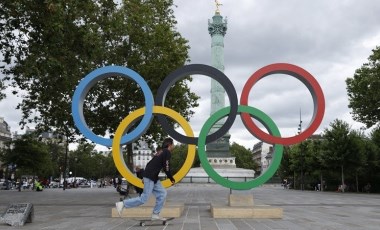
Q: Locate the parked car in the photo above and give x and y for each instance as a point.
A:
(26, 185)
(5, 184)
(54, 184)
(2, 184)
(124, 183)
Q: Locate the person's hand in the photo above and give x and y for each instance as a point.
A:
(172, 180)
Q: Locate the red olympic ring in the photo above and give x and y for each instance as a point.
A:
(307, 79)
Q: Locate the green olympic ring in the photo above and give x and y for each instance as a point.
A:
(269, 125)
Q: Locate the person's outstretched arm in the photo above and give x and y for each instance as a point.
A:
(166, 167)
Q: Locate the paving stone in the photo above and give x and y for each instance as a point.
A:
(90, 209)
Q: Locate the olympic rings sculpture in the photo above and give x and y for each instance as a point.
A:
(157, 107)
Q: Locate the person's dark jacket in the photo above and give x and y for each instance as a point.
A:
(140, 173)
(158, 162)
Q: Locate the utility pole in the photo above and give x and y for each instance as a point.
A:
(302, 153)
(65, 165)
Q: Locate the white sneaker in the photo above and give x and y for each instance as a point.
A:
(156, 217)
(119, 207)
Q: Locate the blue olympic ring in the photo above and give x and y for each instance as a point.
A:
(89, 81)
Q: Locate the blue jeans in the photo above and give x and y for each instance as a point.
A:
(149, 187)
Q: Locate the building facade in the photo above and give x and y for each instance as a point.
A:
(5, 132)
(5, 136)
(142, 154)
(262, 155)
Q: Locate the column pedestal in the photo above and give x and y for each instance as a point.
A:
(242, 206)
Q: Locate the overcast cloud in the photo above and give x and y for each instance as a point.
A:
(328, 38)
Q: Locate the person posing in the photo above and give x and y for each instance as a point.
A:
(151, 182)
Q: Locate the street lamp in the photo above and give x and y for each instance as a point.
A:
(302, 165)
(301, 153)
(75, 170)
(101, 173)
(65, 165)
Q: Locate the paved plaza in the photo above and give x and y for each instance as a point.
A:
(90, 208)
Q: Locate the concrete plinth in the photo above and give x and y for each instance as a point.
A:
(240, 200)
(169, 210)
(241, 206)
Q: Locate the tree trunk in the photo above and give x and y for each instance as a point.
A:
(343, 184)
(130, 162)
(357, 181)
(130, 157)
(20, 184)
(65, 165)
(321, 182)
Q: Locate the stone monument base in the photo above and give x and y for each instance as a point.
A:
(198, 175)
(242, 206)
(145, 211)
(222, 162)
(17, 214)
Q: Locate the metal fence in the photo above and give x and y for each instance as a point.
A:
(207, 179)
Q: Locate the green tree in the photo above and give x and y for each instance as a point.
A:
(343, 148)
(299, 159)
(2, 88)
(291, 164)
(57, 156)
(357, 159)
(49, 46)
(372, 166)
(337, 145)
(284, 170)
(179, 155)
(243, 157)
(319, 166)
(30, 156)
(86, 165)
(363, 89)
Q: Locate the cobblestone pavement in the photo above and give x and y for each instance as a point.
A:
(86, 208)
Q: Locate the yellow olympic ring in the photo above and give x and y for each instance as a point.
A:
(118, 156)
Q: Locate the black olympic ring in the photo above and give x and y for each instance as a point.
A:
(202, 70)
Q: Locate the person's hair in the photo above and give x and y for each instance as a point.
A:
(159, 148)
(168, 141)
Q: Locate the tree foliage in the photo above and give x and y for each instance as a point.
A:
(243, 157)
(340, 155)
(29, 155)
(362, 88)
(337, 138)
(2, 87)
(49, 46)
(372, 149)
(179, 155)
(284, 170)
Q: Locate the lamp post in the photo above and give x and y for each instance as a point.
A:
(301, 153)
(65, 165)
(75, 170)
(268, 158)
(101, 173)
(302, 165)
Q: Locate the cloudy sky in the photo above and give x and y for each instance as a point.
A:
(328, 38)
